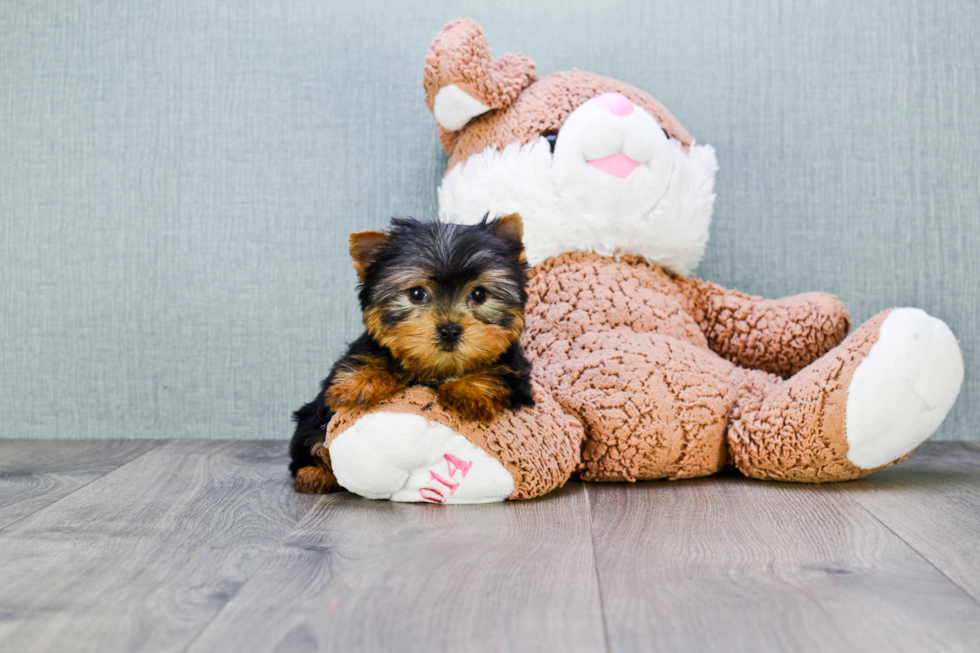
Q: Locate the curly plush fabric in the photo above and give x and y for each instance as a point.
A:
(625, 346)
(794, 430)
(577, 295)
(779, 336)
(540, 447)
(653, 406)
(642, 373)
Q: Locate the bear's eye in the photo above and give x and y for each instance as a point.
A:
(479, 295)
(552, 138)
(417, 295)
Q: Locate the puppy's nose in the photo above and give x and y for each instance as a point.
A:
(615, 103)
(449, 332)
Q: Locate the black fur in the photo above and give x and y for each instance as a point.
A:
(452, 256)
(520, 381)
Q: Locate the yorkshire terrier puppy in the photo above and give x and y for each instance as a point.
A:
(444, 307)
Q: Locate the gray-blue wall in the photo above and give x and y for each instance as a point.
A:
(178, 179)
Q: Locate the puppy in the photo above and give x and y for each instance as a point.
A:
(444, 307)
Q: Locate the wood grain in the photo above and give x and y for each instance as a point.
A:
(360, 575)
(727, 563)
(143, 558)
(36, 473)
(203, 545)
(932, 501)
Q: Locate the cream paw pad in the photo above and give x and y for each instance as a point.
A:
(405, 457)
(903, 389)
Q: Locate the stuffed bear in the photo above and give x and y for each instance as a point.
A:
(641, 371)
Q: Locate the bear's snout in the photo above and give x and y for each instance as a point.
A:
(614, 137)
(615, 103)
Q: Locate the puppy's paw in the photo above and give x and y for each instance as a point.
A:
(367, 384)
(477, 397)
(315, 479)
(473, 409)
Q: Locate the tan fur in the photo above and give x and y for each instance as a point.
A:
(417, 348)
(365, 385)
(478, 396)
(415, 344)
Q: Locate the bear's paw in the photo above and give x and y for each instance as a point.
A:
(903, 389)
(405, 457)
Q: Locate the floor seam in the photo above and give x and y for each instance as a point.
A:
(258, 569)
(857, 501)
(595, 568)
(84, 485)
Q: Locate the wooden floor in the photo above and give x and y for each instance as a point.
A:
(203, 546)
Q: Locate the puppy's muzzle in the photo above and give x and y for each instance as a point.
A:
(449, 334)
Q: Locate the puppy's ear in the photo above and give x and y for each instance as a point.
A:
(511, 229)
(363, 246)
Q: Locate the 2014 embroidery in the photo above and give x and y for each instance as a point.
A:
(453, 465)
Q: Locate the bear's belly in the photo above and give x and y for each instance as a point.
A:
(574, 296)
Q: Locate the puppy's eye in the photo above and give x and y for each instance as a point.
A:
(479, 295)
(417, 295)
(552, 139)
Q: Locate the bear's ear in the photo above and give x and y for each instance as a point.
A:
(461, 80)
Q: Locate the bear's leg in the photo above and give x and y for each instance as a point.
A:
(865, 404)
(409, 448)
(652, 406)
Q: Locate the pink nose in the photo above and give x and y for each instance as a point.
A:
(615, 103)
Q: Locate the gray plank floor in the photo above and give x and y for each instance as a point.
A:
(203, 546)
(36, 473)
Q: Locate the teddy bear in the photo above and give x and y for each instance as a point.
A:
(641, 371)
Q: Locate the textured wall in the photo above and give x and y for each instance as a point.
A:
(178, 179)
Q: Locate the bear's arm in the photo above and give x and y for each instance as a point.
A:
(781, 336)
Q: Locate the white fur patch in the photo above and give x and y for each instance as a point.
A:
(404, 457)
(453, 107)
(661, 211)
(902, 390)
